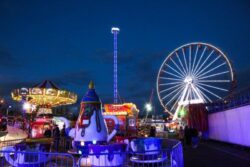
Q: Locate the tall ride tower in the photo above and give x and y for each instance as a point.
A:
(115, 31)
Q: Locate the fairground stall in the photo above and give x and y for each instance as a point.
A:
(126, 114)
(44, 96)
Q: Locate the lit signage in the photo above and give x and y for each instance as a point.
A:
(116, 113)
(120, 109)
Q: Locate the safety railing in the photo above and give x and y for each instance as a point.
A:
(237, 99)
(6, 143)
(170, 155)
(35, 159)
(62, 144)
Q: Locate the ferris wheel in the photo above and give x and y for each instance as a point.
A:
(193, 73)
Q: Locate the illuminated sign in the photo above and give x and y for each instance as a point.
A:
(116, 113)
(120, 109)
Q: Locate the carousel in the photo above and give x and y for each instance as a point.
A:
(44, 97)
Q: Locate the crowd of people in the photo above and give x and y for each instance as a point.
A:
(56, 134)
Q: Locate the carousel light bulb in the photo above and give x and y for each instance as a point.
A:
(82, 143)
(94, 142)
(26, 106)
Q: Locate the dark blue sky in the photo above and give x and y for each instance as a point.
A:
(69, 42)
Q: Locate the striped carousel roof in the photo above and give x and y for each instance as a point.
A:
(46, 84)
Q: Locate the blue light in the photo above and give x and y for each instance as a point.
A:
(115, 31)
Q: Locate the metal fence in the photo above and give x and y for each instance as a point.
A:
(238, 99)
(170, 155)
(127, 159)
(6, 143)
(35, 159)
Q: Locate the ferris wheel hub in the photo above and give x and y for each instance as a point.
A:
(188, 80)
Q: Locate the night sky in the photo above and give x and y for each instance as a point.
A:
(70, 43)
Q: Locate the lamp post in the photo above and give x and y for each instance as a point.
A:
(7, 114)
(148, 107)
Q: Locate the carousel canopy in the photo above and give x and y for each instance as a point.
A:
(44, 94)
(46, 84)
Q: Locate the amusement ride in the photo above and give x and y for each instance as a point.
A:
(44, 96)
(193, 73)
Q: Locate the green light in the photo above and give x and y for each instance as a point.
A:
(182, 112)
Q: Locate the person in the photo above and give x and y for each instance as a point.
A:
(64, 137)
(187, 135)
(47, 132)
(63, 132)
(152, 131)
(181, 135)
(56, 137)
(194, 136)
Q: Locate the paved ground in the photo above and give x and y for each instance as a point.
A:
(213, 154)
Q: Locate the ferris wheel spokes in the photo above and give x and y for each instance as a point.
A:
(214, 81)
(197, 65)
(174, 79)
(208, 65)
(174, 70)
(181, 62)
(174, 96)
(185, 61)
(197, 71)
(205, 96)
(197, 48)
(215, 87)
(209, 76)
(201, 87)
(172, 92)
(190, 59)
(183, 74)
(167, 72)
(200, 75)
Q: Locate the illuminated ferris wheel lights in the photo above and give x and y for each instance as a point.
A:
(193, 73)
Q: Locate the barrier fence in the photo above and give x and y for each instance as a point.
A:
(35, 159)
(10, 142)
(170, 155)
(237, 99)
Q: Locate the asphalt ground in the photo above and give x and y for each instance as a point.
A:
(215, 154)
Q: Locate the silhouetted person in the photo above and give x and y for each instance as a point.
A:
(181, 134)
(63, 132)
(187, 134)
(194, 136)
(56, 136)
(152, 131)
(47, 133)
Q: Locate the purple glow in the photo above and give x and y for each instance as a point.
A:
(231, 126)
